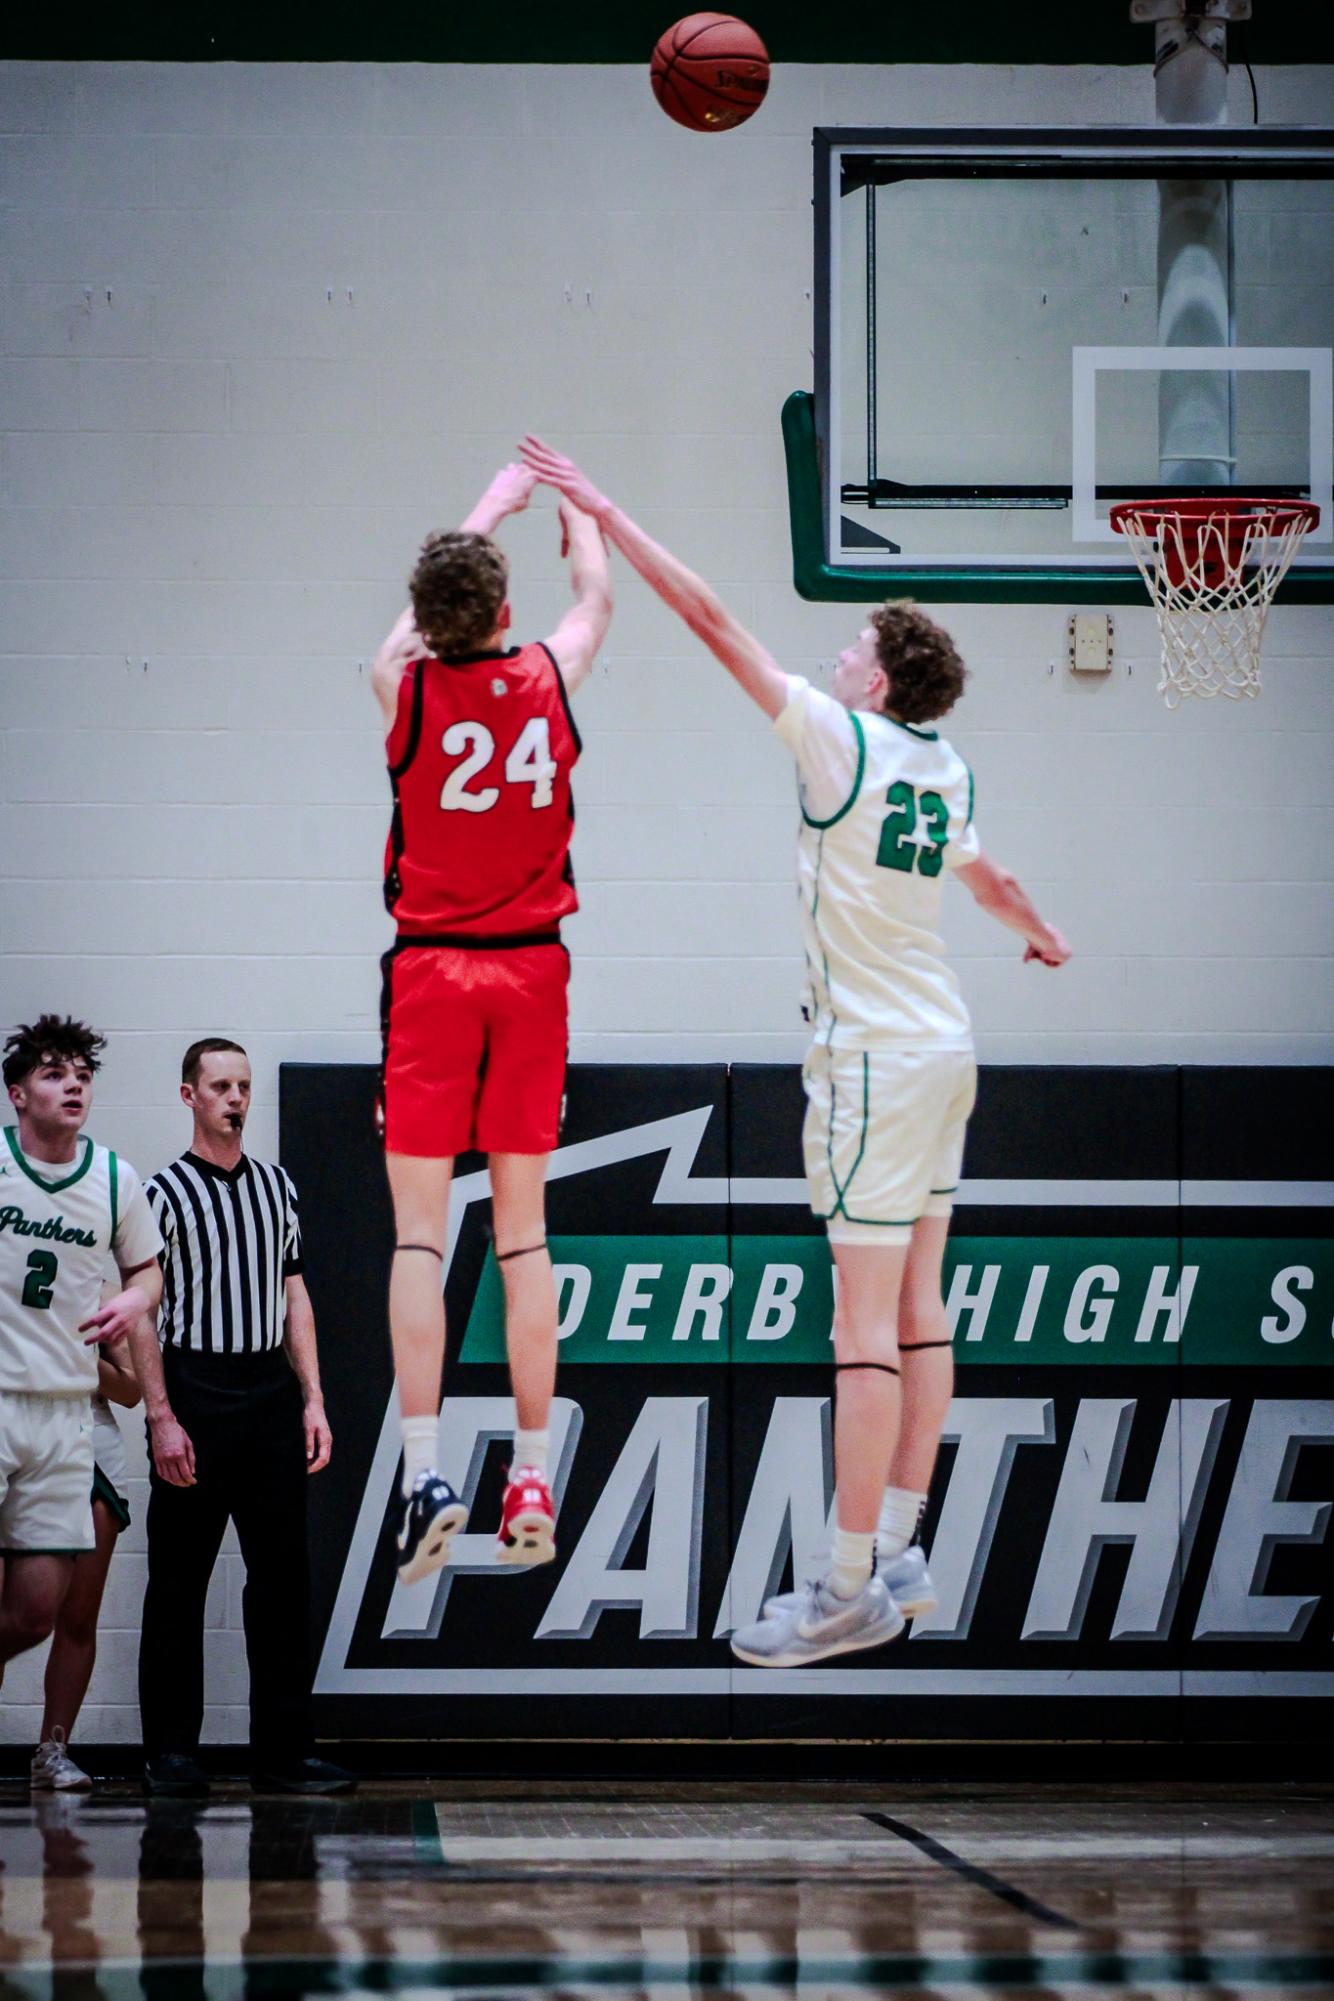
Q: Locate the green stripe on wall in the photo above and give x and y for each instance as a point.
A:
(624, 31)
(1047, 1300)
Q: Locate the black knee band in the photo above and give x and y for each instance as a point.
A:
(503, 1257)
(429, 1249)
(913, 1347)
(882, 1368)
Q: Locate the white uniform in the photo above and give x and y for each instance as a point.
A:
(887, 812)
(58, 1226)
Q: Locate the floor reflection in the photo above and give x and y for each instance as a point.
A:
(480, 1891)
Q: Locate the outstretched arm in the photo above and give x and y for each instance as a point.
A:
(750, 665)
(1001, 895)
(508, 493)
(575, 642)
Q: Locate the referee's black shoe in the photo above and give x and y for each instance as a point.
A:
(175, 1775)
(425, 1526)
(302, 1775)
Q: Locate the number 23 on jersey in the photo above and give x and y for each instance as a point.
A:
(529, 762)
(915, 830)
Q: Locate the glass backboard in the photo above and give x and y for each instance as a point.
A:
(1015, 330)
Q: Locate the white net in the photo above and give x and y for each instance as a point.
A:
(1212, 578)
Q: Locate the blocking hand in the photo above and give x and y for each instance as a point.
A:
(554, 469)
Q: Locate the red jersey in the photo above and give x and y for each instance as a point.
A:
(480, 757)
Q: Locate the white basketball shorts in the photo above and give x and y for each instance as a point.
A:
(46, 1474)
(883, 1137)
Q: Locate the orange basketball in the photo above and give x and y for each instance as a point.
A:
(710, 72)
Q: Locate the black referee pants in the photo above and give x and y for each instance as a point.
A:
(243, 1417)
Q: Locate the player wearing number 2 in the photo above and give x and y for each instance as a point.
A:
(887, 813)
(481, 744)
(66, 1207)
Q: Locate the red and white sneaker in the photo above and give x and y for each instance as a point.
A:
(527, 1518)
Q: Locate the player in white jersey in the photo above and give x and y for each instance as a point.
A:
(887, 814)
(67, 1205)
(73, 1655)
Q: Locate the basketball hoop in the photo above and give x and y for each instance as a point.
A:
(1212, 568)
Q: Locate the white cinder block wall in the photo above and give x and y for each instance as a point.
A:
(262, 327)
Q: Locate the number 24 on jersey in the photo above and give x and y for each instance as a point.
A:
(529, 763)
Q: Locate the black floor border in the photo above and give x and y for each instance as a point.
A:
(692, 1761)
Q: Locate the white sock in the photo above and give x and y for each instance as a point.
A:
(530, 1450)
(419, 1447)
(853, 1563)
(900, 1514)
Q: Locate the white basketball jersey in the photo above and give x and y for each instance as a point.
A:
(58, 1227)
(873, 854)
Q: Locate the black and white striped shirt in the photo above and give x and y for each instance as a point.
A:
(231, 1238)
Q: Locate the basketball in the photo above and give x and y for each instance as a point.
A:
(710, 72)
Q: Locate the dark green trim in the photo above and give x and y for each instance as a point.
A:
(624, 31)
(851, 800)
(969, 821)
(944, 1191)
(104, 1491)
(829, 1146)
(879, 1222)
(824, 956)
(823, 582)
(112, 1175)
(9, 1550)
(51, 1187)
(927, 736)
(840, 1191)
(866, 1222)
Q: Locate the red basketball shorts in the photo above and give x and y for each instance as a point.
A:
(475, 1048)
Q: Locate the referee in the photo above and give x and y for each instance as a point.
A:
(236, 1421)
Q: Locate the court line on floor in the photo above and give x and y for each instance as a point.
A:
(972, 1872)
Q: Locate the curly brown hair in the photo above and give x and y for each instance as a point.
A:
(926, 675)
(33, 1043)
(457, 590)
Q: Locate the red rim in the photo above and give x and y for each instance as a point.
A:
(1238, 509)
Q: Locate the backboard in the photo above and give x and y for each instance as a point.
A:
(1016, 329)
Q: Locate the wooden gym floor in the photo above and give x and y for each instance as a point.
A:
(656, 1890)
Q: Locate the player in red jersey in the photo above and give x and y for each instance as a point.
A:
(481, 743)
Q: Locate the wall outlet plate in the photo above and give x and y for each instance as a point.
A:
(1090, 642)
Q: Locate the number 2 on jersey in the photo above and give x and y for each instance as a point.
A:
(900, 845)
(41, 1280)
(529, 763)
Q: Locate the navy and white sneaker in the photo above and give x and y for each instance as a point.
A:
(428, 1521)
(817, 1624)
